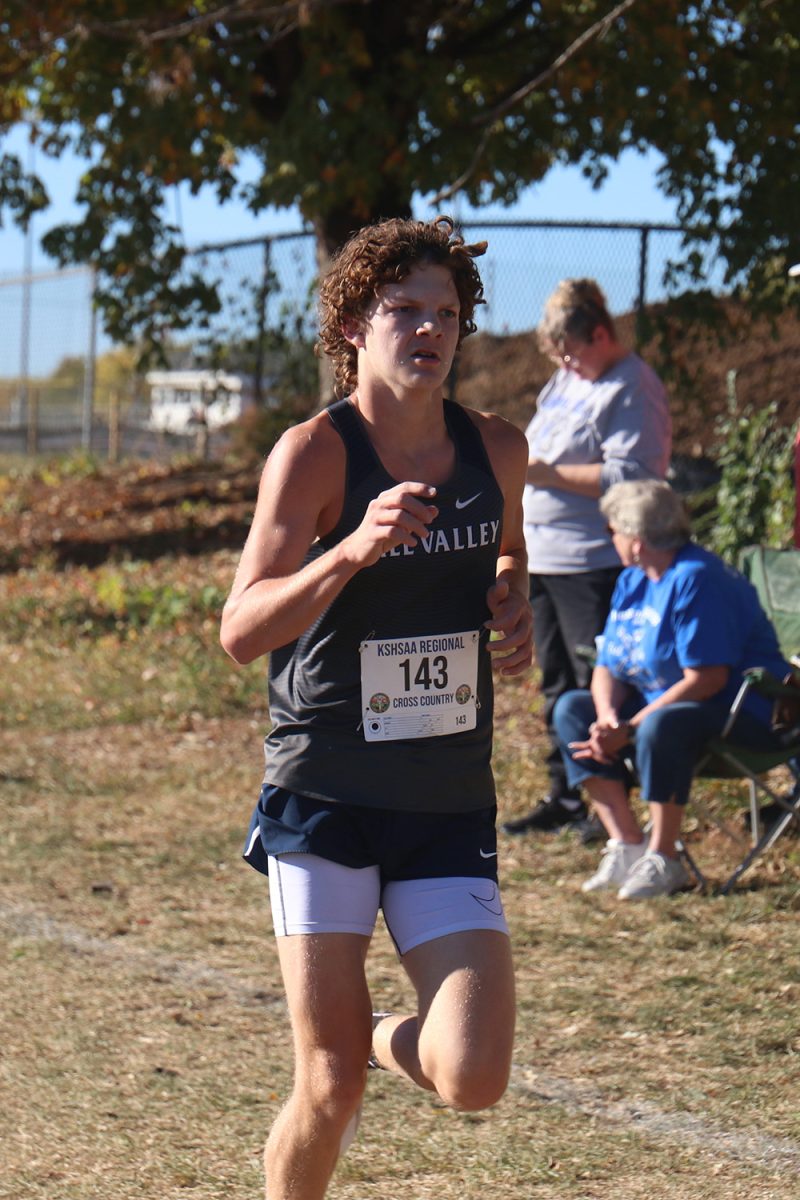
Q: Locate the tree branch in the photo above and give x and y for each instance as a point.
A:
(282, 17)
(489, 120)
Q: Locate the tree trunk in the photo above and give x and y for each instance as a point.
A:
(331, 232)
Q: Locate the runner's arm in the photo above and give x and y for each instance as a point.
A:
(275, 597)
(508, 602)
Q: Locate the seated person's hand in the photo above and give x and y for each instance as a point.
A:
(605, 742)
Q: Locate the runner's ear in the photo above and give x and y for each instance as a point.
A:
(353, 332)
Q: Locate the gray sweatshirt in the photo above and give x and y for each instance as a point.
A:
(621, 421)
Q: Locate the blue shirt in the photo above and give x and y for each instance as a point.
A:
(700, 613)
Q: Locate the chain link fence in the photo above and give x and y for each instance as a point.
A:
(525, 261)
(633, 263)
(51, 397)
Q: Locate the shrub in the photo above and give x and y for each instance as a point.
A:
(755, 498)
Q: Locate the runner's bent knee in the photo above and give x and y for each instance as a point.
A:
(466, 989)
(471, 1094)
(468, 1078)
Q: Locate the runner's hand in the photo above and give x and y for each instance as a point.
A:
(399, 516)
(512, 619)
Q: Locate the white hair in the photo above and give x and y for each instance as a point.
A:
(648, 509)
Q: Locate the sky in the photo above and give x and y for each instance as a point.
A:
(629, 194)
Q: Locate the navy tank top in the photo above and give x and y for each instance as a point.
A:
(316, 746)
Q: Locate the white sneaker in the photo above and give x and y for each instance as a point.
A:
(372, 1061)
(350, 1131)
(654, 875)
(351, 1128)
(618, 858)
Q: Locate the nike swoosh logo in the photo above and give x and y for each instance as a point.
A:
(464, 503)
(488, 854)
(491, 902)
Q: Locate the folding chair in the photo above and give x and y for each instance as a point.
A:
(724, 759)
(775, 574)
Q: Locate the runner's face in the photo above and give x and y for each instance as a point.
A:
(410, 331)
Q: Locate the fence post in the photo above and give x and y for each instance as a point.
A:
(644, 234)
(113, 426)
(27, 290)
(261, 334)
(88, 375)
(730, 391)
(32, 415)
(202, 439)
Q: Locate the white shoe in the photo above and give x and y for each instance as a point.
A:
(372, 1061)
(654, 875)
(615, 865)
(350, 1131)
(351, 1128)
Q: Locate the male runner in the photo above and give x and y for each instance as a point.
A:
(385, 567)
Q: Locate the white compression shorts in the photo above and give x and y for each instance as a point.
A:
(309, 894)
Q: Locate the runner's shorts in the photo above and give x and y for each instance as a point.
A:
(332, 866)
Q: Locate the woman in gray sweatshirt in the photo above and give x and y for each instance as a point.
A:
(601, 419)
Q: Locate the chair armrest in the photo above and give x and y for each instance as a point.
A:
(785, 697)
(767, 684)
(784, 693)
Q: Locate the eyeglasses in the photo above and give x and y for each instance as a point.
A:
(572, 357)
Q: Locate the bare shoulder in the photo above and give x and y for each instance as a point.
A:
(313, 442)
(302, 483)
(505, 444)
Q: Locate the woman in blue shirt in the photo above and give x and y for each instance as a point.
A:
(683, 626)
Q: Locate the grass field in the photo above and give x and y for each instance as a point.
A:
(143, 1036)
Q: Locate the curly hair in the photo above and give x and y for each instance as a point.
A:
(386, 253)
(648, 509)
(575, 309)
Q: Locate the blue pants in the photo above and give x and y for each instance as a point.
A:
(669, 742)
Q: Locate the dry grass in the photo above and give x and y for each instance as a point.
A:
(143, 1040)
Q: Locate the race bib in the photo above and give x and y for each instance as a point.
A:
(419, 687)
